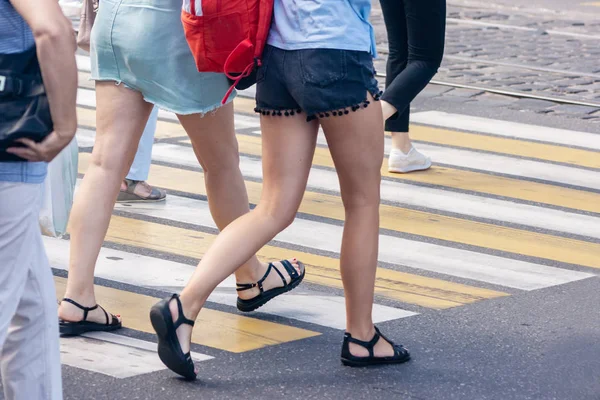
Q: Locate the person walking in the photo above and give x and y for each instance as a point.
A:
(416, 33)
(315, 73)
(29, 347)
(124, 40)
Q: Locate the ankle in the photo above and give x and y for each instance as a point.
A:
(364, 333)
(85, 297)
(192, 305)
(251, 271)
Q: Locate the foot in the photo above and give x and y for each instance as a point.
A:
(70, 313)
(382, 348)
(184, 332)
(400, 162)
(139, 192)
(273, 279)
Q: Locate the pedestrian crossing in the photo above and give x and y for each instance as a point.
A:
(507, 208)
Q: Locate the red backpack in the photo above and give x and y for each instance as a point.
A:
(227, 36)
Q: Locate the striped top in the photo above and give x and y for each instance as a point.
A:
(16, 37)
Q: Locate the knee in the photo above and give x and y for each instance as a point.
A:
(278, 215)
(360, 199)
(222, 164)
(110, 155)
(428, 65)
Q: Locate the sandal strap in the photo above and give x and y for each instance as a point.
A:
(245, 286)
(370, 345)
(86, 310)
(278, 273)
(113, 320)
(290, 269)
(182, 319)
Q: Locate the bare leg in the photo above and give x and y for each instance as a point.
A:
(120, 119)
(215, 145)
(356, 145)
(288, 148)
(400, 140)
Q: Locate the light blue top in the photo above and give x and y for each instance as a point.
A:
(323, 24)
(16, 37)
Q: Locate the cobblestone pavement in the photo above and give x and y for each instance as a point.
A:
(547, 54)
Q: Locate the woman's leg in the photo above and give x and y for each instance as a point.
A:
(356, 145)
(288, 146)
(120, 119)
(215, 145)
(416, 50)
(135, 188)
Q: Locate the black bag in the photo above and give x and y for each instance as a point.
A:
(24, 108)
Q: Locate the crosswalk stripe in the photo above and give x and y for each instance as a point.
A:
(217, 329)
(450, 261)
(448, 201)
(114, 355)
(164, 129)
(505, 144)
(508, 129)
(412, 289)
(514, 167)
(154, 273)
(478, 182)
(408, 221)
(512, 147)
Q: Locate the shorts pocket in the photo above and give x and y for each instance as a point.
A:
(323, 67)
(261, 74)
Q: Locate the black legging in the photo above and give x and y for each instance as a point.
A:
(416, 33)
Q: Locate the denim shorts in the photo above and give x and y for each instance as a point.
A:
(319, 82)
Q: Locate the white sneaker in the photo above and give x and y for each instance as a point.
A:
(403, 163)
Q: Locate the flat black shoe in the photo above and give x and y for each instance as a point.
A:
(169, 348)
(264, 296)
(400, 356)
(68, 328)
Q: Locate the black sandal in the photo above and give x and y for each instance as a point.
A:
(264, 297)
(169, 348)
(401, 354)
(68, 328)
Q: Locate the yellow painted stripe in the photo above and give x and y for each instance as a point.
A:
(164, 129)
(414, 222)
(466, 140)
(511, 147)
(217, 329)
(464, 180)
(408, 288)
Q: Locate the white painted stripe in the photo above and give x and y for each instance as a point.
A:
(137, 343)
(438, 199)
(327, 311)
(119, 266)
(425, 256)
(84, 63)
(513, 166)
(87, 98)
(508, 129)
(113, 355)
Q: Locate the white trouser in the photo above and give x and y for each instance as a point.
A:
(29, 358)
(140, 169)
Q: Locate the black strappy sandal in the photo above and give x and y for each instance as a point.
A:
(169, 348)
(262, 299)
(401, 354)
(68, 328)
